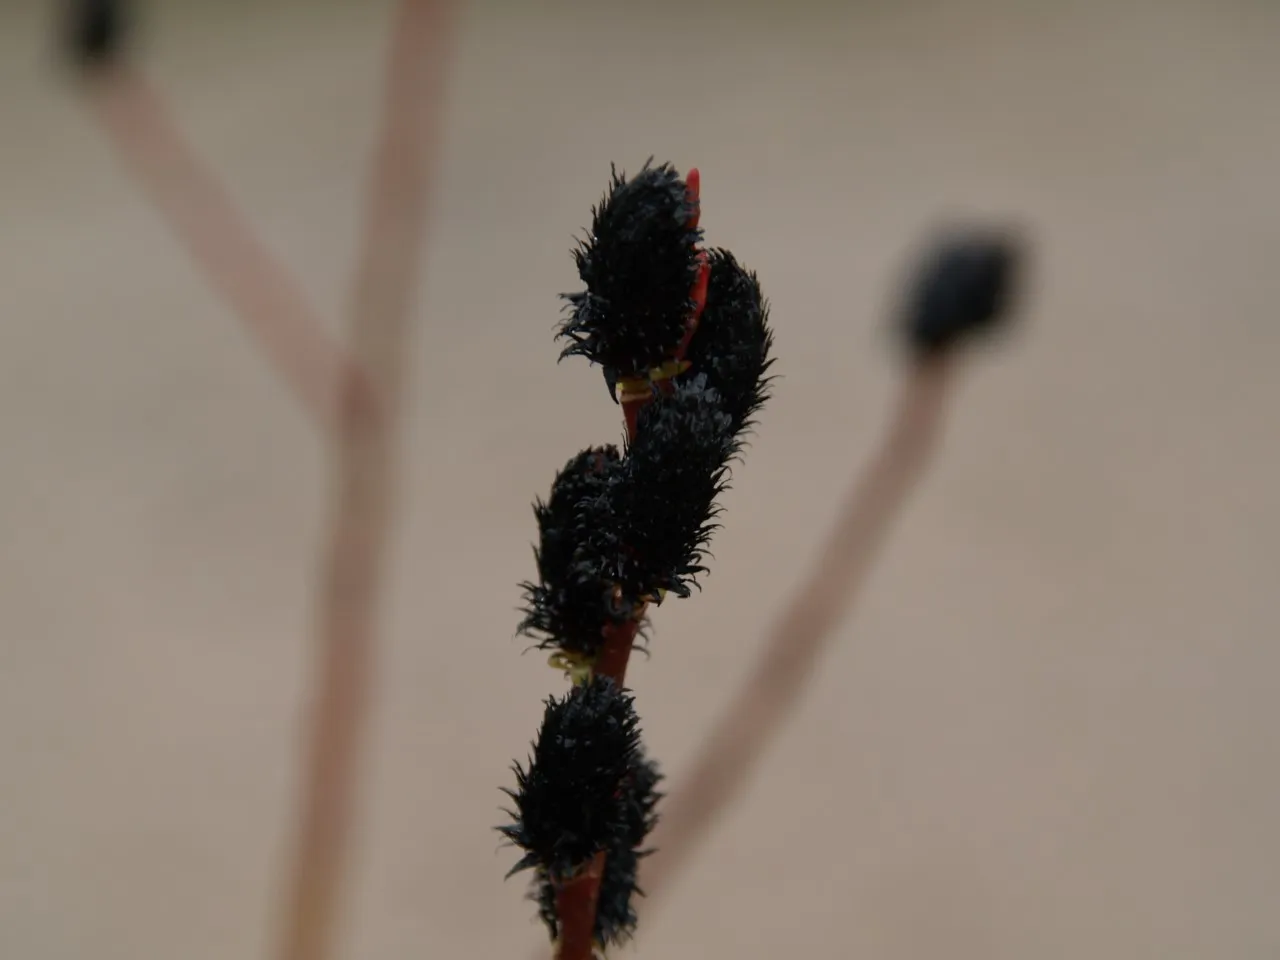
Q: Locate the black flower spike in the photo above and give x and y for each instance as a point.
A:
(962, 289)
(93, 30)
(569, 805)
(569, 605)
(615, 912)
(639, 265)
(732, 343)
(650, 527)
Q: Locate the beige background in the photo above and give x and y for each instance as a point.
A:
(1050, 729)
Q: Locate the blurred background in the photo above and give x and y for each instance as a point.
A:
(1050, 728)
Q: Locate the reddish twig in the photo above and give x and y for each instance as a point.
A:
(222, 243)
(576, 902)
(799, 637)
(577, 898)
(615, 653)
(365, 454)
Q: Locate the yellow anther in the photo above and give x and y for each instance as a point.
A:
(631, 389)
(672, 368)
(576, 667)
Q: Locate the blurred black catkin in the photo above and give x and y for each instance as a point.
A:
(93, 31)
(686, 330)
(963, 289)
(639, 263)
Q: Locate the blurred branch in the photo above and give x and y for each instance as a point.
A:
(807, 625)
(364, 468)
(222, 243)
(961, 290)
(798, 639)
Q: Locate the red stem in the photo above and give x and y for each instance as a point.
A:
(577, 898)
(631, 414)
(576, 908)
(616, 652)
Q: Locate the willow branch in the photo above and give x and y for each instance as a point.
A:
(798, 639)
(222, 243)
(364, 465)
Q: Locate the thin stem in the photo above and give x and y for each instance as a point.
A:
(615, 653)
(576, 902)
(364, 464)
(576, 899)
(223, 244)
(799, 637)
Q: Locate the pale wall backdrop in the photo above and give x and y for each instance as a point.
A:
(1051, 729)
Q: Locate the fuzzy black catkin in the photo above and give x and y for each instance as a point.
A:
(569, 804)
(617, 530)
(93, 30)
(571, 602)
(732, 344)
(615, 910)
(962, 289)
(639, 264)
(649, 528)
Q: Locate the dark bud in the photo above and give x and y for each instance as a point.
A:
(571, 802)
(963, 289)
(559, 518)
(650, 527)
(94, 30)
(615, 911)
(732, 343)
(639, 265)
(571, 602)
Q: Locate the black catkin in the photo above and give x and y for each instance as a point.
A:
(650, 527)
(93, 31)
(571, 602)
(615, 909)
(568, 801)
(639, 264)
(733, 342)
(620, 530)
(962, 290)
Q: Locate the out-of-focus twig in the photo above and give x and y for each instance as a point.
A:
(962, 290)
(800, 636)
(798, 639)
(364, 467)
(221, 242)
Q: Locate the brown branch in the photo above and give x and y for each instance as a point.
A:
(365, 455)
(800, 636)
(222, 243)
